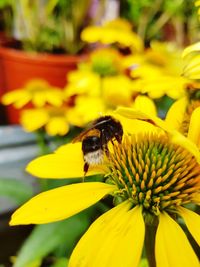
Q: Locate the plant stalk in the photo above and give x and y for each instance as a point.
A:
(42, 143)
(150, 244)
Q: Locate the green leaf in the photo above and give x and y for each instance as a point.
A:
(18, 191)
(46, 238)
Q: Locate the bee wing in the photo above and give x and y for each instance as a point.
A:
(88, 132)
(92, 130)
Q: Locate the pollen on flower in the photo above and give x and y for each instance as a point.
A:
(152, 172)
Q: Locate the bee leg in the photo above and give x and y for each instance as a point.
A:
(85, 168)
(118, 138)
(104, 144)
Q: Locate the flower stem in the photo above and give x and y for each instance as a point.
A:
(42, 143)
(150, 244)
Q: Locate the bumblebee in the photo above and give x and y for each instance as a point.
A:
(95, 139)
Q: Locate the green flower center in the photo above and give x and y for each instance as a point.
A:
(152, 172)
(105, 65)
(104, 68)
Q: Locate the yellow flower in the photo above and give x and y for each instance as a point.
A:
(38, 92)
(152, 176)
(87, 80)
(116, 31)
(53, 119)
(102, 75)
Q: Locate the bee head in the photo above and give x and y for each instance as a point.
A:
(91, 144)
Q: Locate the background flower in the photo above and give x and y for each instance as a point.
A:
(38, 92)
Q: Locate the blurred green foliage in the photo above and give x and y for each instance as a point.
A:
(152, 19)
(50, 26)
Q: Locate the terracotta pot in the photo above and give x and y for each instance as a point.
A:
(4, 40)
(18, 67)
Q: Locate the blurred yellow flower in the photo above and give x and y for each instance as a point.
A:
(117, 31)
(151, 176)
(53, 119)
(87, 80)
(103, 75)
(38, 92)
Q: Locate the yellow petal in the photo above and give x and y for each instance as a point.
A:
(194, 129)
(91, 34)
(81, 82)
(175, 136)
(172, 247)
(175, 114)
(85, 110)
(55, 97)
(186, 143)
(192, 48)
(145, 103)
(57, 126)
(132, 113)
(16, 97)
(191, 69)
(117, 90)
(194, 74)
(66, 163)
(33, 119)
(132, 126)
(115, 239)
(161, 85)
(60, 203)
(22, 101)
(192, 221)
(39, 99)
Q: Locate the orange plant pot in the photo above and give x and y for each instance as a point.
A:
(18, 67)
